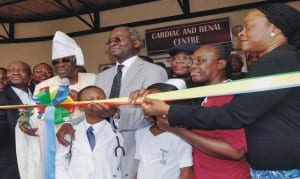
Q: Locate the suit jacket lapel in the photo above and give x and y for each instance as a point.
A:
(12, 114)
(131, 74)
(12, 97)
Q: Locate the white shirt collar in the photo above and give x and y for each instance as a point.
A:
(127, 63)
(98, 127)
(26, 98)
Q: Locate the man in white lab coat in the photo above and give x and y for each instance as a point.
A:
(98, 160)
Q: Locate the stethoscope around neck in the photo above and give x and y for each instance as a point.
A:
(119, 146)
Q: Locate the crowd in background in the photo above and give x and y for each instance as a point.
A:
(253, 135)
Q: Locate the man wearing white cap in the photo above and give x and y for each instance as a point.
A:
(66, 54)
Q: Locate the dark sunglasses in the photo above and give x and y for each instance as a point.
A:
(62, 60)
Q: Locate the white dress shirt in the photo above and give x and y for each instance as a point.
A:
(161, 156)
(101, 163)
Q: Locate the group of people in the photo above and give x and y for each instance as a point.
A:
(270, 118)
(253, 135)
(23, 154)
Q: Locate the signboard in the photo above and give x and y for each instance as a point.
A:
(159, 40)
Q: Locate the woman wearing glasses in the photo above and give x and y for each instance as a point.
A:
(40, 72)
(270, 118)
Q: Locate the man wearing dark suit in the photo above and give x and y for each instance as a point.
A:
(18, 75)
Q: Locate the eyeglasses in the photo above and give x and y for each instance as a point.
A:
(47, 72)
(200, 61)
(116, 40)
(63, 60)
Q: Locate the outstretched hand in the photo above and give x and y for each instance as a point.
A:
(138, 94)
(155, 107)
(102, 110)
(150, 106)
(27, 129)
(163, 124)
(66, 129)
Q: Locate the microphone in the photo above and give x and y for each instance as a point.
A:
(65, 82)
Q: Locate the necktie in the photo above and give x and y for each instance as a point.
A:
(91, 137)
(116, 86)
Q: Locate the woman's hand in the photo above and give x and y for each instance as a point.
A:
(66, 129)
(163, 124)
(155, 107)
(27, 129)
(102, 110)
(138, 94)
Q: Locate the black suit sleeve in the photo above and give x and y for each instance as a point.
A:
(3, 118)
(243, 110)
